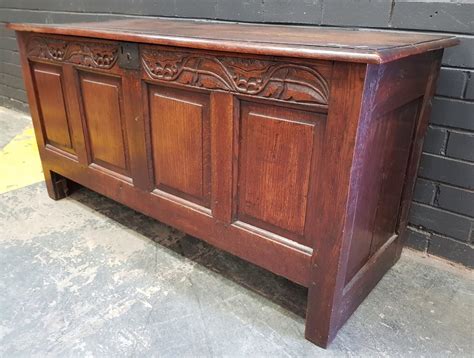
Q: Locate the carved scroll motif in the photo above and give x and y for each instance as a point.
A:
(271, 79)
(89, 54)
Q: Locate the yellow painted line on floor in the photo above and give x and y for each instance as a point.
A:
(20, 162)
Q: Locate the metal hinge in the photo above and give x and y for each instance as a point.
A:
(129, 56)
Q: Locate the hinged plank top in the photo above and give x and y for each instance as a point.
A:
(352, 45)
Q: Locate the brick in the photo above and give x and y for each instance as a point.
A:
(461, 55)
(417, 240)
(435, 140)
(453, 113)
(8, 56)
(202, 9)
(451, 82)
(134, 7)
(57, 17)
(15, 93)
(440, 221)
(13, 15)
(53, 5)
(129, 7)
(64, 17)
(247, 10)
(4, 32)
(8, 43)
(470, 86)
(455, 199)
(149, 7)
(366, 13)
(10, 69)
(12, 81)
(452, 250)
(461, 146)
(434, 16)
(292, 11)
(447, 170)
(425, 191)
(14, 104)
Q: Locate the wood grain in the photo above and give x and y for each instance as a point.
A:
(101, 100)
(334, 213)
(302, 163)
(224, 126)
(180, 126)
(368, 46)
(49, 81)
(275, 158)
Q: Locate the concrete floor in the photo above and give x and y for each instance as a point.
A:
(86, 276)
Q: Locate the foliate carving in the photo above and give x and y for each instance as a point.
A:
(89, 54)
(283, 81)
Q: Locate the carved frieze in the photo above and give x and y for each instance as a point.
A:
(82, 53)
(293, 82)
(271, 79)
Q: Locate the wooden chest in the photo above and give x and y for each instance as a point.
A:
(295, 148)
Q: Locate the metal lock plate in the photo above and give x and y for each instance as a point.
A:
(129, 56)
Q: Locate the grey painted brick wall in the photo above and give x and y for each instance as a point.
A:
(442, 215)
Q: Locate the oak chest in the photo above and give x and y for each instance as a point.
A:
(295, 148)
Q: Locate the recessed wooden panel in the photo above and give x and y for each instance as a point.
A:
(275, 156)
(400, 126)
(49, 89)
(385, 166)
(101, 100)
(180, 142)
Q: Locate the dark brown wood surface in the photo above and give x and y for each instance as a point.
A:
(103, 117)
(49, 80)
(276, 152)
(180, 139)
(353, 45)
(302, 166)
